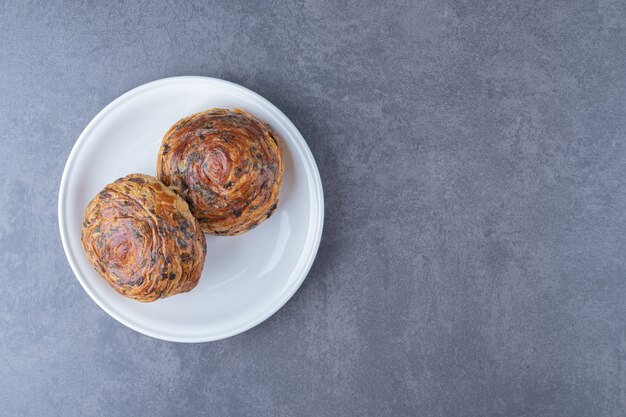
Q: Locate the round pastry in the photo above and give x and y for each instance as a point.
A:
(227, 164)
(142, 238)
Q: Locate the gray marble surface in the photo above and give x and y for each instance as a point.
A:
(473, 155)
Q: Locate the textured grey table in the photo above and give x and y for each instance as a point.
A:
(473, 155)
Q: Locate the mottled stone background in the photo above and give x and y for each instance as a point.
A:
(473, 155)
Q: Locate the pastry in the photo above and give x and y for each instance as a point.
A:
(142, 238)
(227, 164)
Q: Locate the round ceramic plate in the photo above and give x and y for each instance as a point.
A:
(246, 278)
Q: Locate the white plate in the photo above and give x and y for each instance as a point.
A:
(246, 278)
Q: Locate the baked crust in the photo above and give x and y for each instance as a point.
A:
(142, 238)
(228, 166)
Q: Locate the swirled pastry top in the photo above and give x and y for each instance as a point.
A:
(227, 164)
(142, 238)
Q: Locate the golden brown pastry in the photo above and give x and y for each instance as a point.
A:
(141, 237)
(227, 164)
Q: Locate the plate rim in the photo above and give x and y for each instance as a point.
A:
(316, 191)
